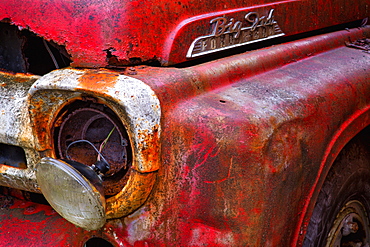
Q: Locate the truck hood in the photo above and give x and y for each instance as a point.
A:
(100, 33)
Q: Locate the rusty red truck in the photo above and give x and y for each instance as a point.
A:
(184, 123)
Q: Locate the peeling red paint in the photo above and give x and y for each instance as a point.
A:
(257, 188)
(25, 219)
(245, 144)
(101, 33)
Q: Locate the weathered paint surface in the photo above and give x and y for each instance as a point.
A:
(244, 146)
(30, 224)
(257, 143)
(15, 128)
(113, 32)
(14, 88)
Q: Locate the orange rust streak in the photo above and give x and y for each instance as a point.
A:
(3, 168)
(149, 147)
(97, 80)
(42, 119)
(18, 77)
(132, 196)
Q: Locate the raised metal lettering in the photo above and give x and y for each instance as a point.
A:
(229, 33)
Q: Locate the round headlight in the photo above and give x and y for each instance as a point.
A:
(74, 190)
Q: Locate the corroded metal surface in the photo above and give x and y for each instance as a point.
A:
(132, 196)
(88, 132)
(95, 126)
(15, 120)
(134, 102)
(15, 128)
(112, 32)
(256, 150)
(232, 152)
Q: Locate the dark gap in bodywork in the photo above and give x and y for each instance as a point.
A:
(7, 195)
(22, 51)
(85, 124)
(12, 156)
(97, 242)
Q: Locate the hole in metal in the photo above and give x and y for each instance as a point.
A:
(22, 51)
(97, 242)
(85, 123)
(12, 156)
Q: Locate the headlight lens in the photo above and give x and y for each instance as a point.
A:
(74, 190)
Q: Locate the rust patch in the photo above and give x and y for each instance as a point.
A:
(98, 80)
(3, 168)
(42, 117)
(9, 78)
(149, 147)
(83, 130)
(133, 195)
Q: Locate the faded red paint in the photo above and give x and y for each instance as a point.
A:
(243, 153)
(246, 141)
(100, 33)
(359, 120)
(243, 156)
(24, 220)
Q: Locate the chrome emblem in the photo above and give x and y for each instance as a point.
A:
(228, 33)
